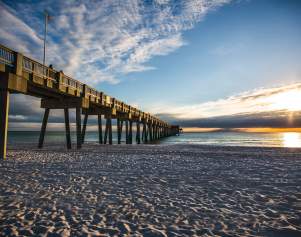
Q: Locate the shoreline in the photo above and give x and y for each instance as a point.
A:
(150, 190)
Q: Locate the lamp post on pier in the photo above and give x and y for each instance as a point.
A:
(46, 19)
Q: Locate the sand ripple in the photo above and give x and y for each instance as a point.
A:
(185, 190)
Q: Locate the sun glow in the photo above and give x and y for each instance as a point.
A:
(291, 139)
(289, 100)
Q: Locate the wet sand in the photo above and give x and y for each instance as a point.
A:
(150, 190)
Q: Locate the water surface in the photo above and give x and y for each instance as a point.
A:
(287, 139)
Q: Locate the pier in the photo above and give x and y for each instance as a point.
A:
(20, 74)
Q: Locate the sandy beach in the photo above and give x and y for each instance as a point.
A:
(150, 190)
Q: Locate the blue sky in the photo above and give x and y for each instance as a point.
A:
(168, 57)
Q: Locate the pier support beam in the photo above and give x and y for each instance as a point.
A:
(153, 132)
(130, 132)
(138, 133)
(127, 132)
(99, 129)
(43, 128)
(106, 133)
(78, 128)
(108, 130)
(4, 107)
(67, 127)
(150, 131)
(144, 132)
(119, 129)
(84, 127)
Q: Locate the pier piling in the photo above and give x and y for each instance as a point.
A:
(99, 129)
(78, 128)
(67, 128)
(43, 128)
(4, 108)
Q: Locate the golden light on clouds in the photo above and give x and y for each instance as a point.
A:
(195, 129)
(287, 100)
(281, 98)
(267, 130)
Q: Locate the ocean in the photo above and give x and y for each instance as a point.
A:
(286, 139)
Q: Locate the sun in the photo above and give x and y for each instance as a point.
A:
(288, 100)
(291, 139)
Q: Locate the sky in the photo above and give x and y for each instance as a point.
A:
(197, 63)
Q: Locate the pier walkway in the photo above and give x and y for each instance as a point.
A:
(20, 74)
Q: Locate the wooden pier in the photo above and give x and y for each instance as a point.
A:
(20, 74)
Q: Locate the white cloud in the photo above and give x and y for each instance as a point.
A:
(17, 117)
(20, 36)
(98, 41)
(282, 98)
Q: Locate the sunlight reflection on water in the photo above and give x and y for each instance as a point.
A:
(281, 139)
(291, 139)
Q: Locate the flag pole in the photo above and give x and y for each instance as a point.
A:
(45, 35)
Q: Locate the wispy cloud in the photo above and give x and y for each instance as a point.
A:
(279, 106)
(98, 41)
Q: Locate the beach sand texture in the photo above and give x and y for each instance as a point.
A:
(150, 190)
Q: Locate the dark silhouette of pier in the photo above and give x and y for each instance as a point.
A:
(20, 74)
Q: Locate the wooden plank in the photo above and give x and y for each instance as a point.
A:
(67, 127)
(4, 108)
(17, 84)
(43, 128)
(63, 102)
